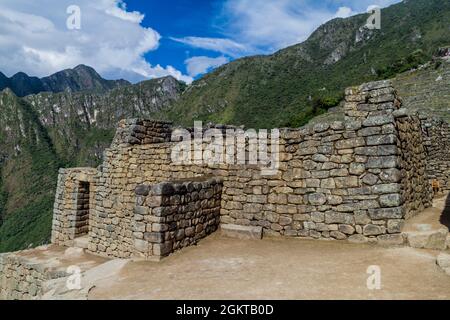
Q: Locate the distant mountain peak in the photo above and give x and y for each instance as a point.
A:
(80, 78)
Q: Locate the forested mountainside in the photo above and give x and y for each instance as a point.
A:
(68, 119)
(293, 85)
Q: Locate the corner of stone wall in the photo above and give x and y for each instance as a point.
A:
(396, 157)
(140, 131)
(370, 110)
(172, 215)
(67, 206)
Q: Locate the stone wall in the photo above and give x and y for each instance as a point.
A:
(416, 188)
(436, 135)
(20, 279)
(341, 180)
(172, 215)
(73, 201)
(138, 131)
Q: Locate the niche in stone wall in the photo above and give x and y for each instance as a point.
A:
(82, 211)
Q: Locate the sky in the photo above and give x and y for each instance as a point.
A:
(144, 39)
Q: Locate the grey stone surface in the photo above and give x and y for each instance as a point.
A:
(241, 232)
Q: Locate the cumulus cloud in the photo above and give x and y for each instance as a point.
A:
(270, 25)
(201, 64)
(224, 46)
(34, 38)
(344, 12)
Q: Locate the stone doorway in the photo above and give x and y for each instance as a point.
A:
(82, 212)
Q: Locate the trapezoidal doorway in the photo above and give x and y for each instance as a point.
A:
(82, 214)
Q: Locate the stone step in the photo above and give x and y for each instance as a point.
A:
(81, 242)
(426, 237)
(241, 232)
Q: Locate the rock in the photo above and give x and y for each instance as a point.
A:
(338, 235)
(357, 168)
(386, 188)
(378, 120)
(443, 260)
(358, 238)
(285, 220)
(385, 162)
(395, 226)
(346, 182)
(403, 112)
(142, 190)
(154, 237)
(391, 240)
(317, 199)
(386, 213)
(321, 127)
(428, 239)
(370, 179)
(391, 175)
(373, 230)
(346, 229)
(164, 189)
(339, 217)
(141, 245)
(370, 131)
(242, 232)
(389, 139)
(350, 143)
(391, 200)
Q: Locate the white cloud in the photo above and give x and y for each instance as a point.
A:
(270, 25)
(225, 46)
(200, 65)
(120, 11)
(344, 12)
(34, 39)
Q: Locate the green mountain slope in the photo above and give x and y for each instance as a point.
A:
(425, 90)
(285, 88)
(82, 124)
(28, 175)
(41, 133)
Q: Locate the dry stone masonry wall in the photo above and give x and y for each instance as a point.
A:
(73, 200)
(20, 279)
(436, 135)
(358, 180)
(172, 215)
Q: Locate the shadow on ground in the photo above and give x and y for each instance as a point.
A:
(445, 216)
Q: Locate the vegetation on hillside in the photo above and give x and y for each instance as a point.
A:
(41, 133)
(271, 91)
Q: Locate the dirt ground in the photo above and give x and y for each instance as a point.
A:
(222, 268)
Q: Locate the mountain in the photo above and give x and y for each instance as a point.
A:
(82, 124)
(41, 133)
(29, 167)
(71, 80)
(295, 84)
(424, 90)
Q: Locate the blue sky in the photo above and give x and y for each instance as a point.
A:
(137, 39)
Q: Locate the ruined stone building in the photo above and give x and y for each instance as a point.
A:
(359, 179)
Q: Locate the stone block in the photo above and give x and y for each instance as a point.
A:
(391, 240)
(317, 199)
(386, 213)
(242, 232)
(373, 230)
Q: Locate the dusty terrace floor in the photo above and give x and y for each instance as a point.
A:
(222, 268)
